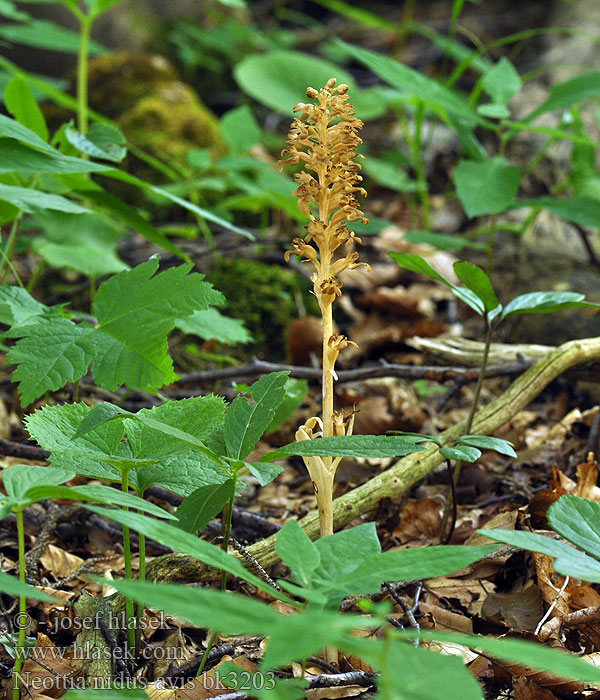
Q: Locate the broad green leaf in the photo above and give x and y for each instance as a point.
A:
(583, 87)
(295, 393)
(21, 158)
(461, 453)
(503, 447)
(201, 506)
(246, 422)
(279, 79)
(42, 34)
(20, 102)
(390, 175)
(183, 541)
(240, 129)
(52, 352)
(478, 282)
(567, 560)
(263, 472)
(502, 82)
(349, 446)
(297, 551)
(211, 324)
(33, 201)
(182, 474)
(132, 337)
(416, 86)
(581, 210)
(12, 129)
(18, 307)
(416, 263)
(488, 187)
(86, 243)
(100, 141)
(577, 520)
(11, 585)
(539, 656)
(545, 302)
(414, 673)
(18, 479)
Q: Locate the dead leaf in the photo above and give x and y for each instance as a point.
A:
(442, 619)
(421, 521)
(526, 689)
(545, 576)
(520, 610)
(59, 562)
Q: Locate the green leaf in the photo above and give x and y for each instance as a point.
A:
(210, 324)
(115, 693)
(349, 446)
(63, 244)
(460, 453)
(545, 302)
(577, 520)
(416, 263)
(132, 337)
(414, 85)
(183, 541)
(18, 307)
(443, 241)
(20, 102)
(12, 129)
(33, 201)
(295, 393)
(201, 506)
(100, 141)
(246, 422)
(489, 187)
(52, 352)
(279, 79)
(333, 550)
(11, 585)
(493, 111)
(42, 34)
(503, 447)
(264, 686)
(568, 560)
(240, 129)
(581, 210)
(390, 175)
(583, 87)
(18, 479)
(263, 472)
(502, 82)
(21, 158)
(297, 551)
(475, 279)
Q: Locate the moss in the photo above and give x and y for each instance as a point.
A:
(264, 296)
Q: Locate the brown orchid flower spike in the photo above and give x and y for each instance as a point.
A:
(324, 137)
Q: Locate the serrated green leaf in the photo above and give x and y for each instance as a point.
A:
(545, 302)
(297, 551)
(52, 352)
(201, 506)
(19, 479)
(100, 141)
(503, 447)
(487, 187)
(263, 472)
(461, 453)
(246, 422)
(567, 560)
(475, 279)
(295, 393)
(211, 324)
(18, 307)
(578, 521)
(349, 446)
(502, 82)
(20, 102)
(131, 337)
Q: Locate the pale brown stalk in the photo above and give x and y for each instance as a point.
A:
(324, 138)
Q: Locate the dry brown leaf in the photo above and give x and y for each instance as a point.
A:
(208, 685)
(59, 562)
(520, 610)
(155, 692)
(467, 591)
(421, 521)
(545, 577)
(526, 689)
(442, 619)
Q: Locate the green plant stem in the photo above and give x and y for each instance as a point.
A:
(22, 608)
(9, 248)
(82, 73)
(129, 609)
(141, 577)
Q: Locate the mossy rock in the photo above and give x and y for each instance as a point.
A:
(170, 122)
(264, 296)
